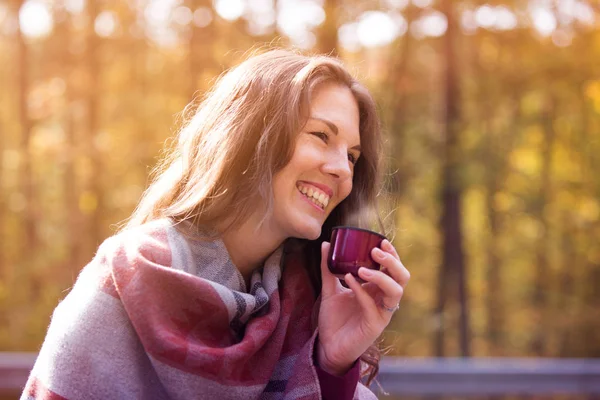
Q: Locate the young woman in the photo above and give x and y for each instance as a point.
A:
(218, 286)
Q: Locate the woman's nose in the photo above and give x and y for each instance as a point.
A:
(337, 165)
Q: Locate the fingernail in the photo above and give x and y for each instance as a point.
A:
(366, 272)
(379, 252)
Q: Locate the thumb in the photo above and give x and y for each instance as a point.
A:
(329, 281)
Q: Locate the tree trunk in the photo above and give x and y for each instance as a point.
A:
(588, 340)
(540, 297)
(74, 257)
(566, 286)
(397, 110)
(138, 51)
(327, 37)
(3, 191)
(93, 200)
(30, 240)
(200, 48)
(498, 145)
(452, 269)
(590, 335)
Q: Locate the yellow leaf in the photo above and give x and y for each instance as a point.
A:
(88, 202)
(589, 209)
(592, 91)
(526, 160)
(504, 202)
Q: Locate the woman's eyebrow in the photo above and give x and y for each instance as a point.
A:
(330, 124)
(334, 129)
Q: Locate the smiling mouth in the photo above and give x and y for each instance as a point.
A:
(319, 198)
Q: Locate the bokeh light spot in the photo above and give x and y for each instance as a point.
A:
(543, 21)
(422, 3)
(348, 36)
(485, 16)
(376, 28)
(432, 24)
(35, 19)
(182, 15)
(230, 9)
(202, 17)
(105, 24)
(505, 19)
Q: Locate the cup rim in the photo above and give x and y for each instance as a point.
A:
(358, 229)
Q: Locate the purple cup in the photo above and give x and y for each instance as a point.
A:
(351, 249)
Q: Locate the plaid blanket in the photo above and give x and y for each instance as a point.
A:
(157, 316)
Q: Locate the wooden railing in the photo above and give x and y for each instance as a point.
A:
(490, 376)
(428, 376)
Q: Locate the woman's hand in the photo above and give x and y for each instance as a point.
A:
(350, 320)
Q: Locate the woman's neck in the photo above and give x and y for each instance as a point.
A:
(249, 245)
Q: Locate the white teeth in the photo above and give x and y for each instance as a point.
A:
(316, 196)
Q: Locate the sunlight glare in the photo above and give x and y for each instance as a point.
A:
(485, 16)
(230, 9)
(182, 15)
(432, 24)
(566, 10)
(570, 10)
(422, 3)
(543, 21)
(397, 4)
(75, 6)
(468, 22)
(105, 24)
(304, 40)
(35, 19)
(584, 13)
(562, 38)
(296, 17)
(400, 22)
(202, 17)
(505, 19)
(376, 28)
(261, 17)
(157, 12)
(261, 6)
(348, 37)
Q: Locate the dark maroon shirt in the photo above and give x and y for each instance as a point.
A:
(338, 387)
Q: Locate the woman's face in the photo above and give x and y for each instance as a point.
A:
(319, 174)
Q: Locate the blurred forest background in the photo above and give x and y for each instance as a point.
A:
(492, 115)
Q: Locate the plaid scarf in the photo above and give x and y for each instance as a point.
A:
(157, 316)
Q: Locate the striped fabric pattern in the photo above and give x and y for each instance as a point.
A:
(157, 316)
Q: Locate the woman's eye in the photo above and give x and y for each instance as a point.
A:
(352, 158)
(321, 135)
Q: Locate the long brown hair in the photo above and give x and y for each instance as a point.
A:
(242, 133)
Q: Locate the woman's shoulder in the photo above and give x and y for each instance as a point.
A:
(147, 241)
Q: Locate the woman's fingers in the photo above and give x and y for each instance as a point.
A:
(390, 288)
(387, 246)
(362, 296)
(391, 263)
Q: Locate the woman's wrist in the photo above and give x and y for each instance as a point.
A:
(337, 369)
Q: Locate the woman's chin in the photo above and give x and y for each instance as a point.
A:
(308, 232)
